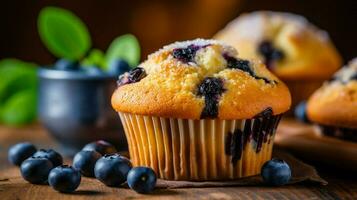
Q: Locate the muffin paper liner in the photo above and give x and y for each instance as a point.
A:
(200, 150)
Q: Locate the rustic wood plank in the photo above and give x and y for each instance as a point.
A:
(12, 186)
(305, 141)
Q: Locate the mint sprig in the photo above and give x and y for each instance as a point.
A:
(63, 33)
(124, 47)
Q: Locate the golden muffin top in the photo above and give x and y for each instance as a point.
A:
(290, 46)
(335, 103)
(200, 79)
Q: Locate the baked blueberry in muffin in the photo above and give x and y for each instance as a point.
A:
(334, 106)
(295, 50)
(201, 112)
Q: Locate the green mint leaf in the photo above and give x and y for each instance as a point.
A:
(124, 47)
(20, 108)
(95, 58)
(63, 33)
(16, 75)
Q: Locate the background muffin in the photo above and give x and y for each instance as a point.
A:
(195, 111)
(334, 105)
(292, 48)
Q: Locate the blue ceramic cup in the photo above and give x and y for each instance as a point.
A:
(75, 108)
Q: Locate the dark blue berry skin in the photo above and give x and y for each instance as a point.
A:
(64, 178)
(20, 152)
(112, 169)
(50, 154)
(142, 179)
(270, 53)
(36, 169)
(211, 88)
(186, 54)
(101, 147)
(92, 70)
(300, 112)
(133, 76)
(66, 65)
(84, 161)
(118, 67)
(276, 172)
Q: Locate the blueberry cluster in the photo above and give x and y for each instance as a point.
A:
(115, 67)
(270, 53)
(211, 89)
(98, 159)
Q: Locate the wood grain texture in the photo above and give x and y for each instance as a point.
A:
(306, 141)
(12, 186)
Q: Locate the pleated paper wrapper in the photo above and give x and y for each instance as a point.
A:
(199, 150)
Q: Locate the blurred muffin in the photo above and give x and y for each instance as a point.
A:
(334, 106)
(292, 48)
(195, 111)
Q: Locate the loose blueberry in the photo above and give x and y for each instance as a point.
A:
(101, 147)
(20, 152)
(133, 76)
(142, 179)
(270, 53)
(64, 179)
(66, 65)
(84, 161)
(276, 172)
(50, 154)
(300, 112)
(186, 54)
(36, 169)
(112, 169)
(92, 70)
(118, 67)
(211, 88)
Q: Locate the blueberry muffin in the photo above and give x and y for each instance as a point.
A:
(196, 111)
(292, 48)
(334, 106)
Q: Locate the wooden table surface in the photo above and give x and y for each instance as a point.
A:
(342, 184)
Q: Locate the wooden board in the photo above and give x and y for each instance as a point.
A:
(306, 142)
(12, 186)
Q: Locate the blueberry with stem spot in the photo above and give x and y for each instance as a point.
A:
(36, 169)
(64, 179)
(112, 169)
(142, 179)
(20, 152)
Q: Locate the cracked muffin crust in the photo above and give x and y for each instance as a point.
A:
(334, 105)
(200, 79)
(289, 45)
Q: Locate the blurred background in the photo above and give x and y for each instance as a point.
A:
(160, 22)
